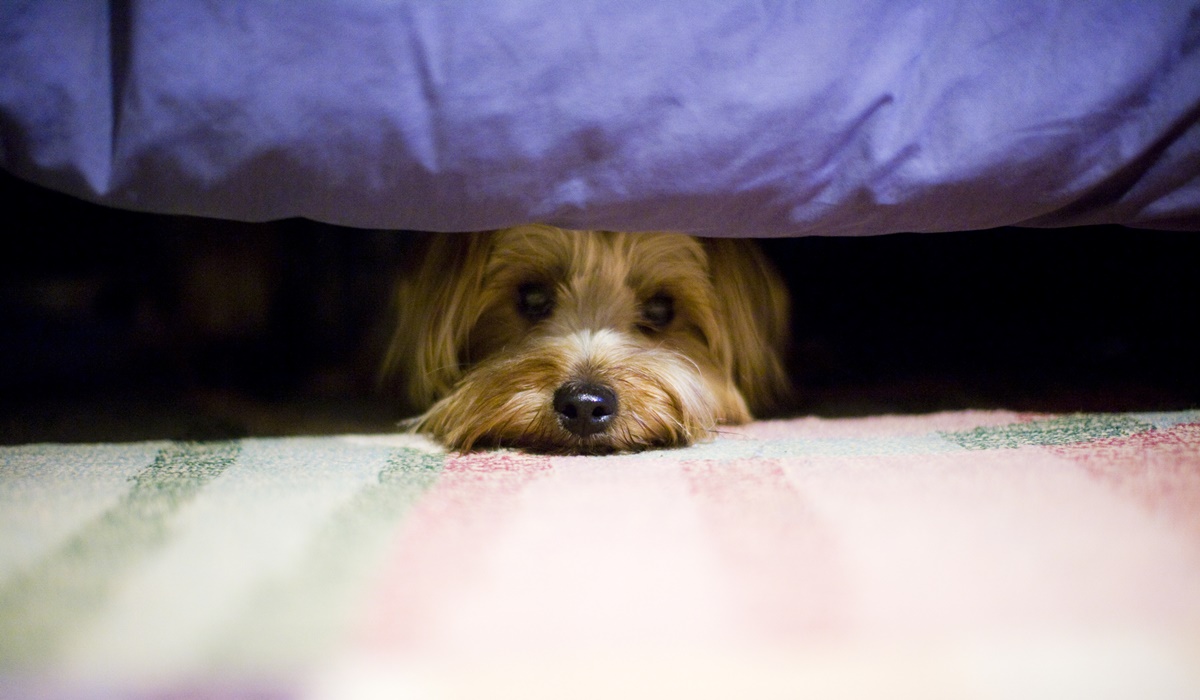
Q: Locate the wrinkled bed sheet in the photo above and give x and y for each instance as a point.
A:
(722, 117)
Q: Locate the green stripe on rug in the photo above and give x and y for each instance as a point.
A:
(1061, 430)
(41, 606)
(291, 621)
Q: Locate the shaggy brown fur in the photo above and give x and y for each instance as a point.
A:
(587, 341)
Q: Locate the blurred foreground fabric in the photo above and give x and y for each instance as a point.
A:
(716, 118)
(964, 555)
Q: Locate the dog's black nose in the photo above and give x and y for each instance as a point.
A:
(585, 409)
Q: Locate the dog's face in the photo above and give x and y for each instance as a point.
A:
(587, 342)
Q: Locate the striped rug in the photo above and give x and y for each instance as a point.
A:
(955, 555)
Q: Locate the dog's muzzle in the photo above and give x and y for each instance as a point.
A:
(585, 409)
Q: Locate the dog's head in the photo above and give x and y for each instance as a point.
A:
(585, 342)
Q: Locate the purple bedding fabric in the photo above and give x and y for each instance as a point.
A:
(722, 117)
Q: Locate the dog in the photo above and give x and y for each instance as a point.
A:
(587, 342)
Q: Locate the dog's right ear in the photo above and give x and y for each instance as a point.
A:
(755, 312)
(435, 309)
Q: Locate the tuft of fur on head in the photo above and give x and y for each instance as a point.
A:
(681, 334)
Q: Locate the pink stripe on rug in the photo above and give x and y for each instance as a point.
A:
(442, 549)
(607, 554)
(996, 542)
(1160, 469)
(790, 582)
(603, 554)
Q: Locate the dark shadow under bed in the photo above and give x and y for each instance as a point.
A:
(126, 326)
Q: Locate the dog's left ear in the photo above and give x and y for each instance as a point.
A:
(753, 302)
(435, 310)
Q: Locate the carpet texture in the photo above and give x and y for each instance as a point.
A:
(965, 555)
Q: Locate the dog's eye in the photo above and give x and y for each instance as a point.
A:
(658, 311)
(535, 300)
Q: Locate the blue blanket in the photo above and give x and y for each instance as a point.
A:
(721, 117)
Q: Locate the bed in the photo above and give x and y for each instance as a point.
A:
(718, 118)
